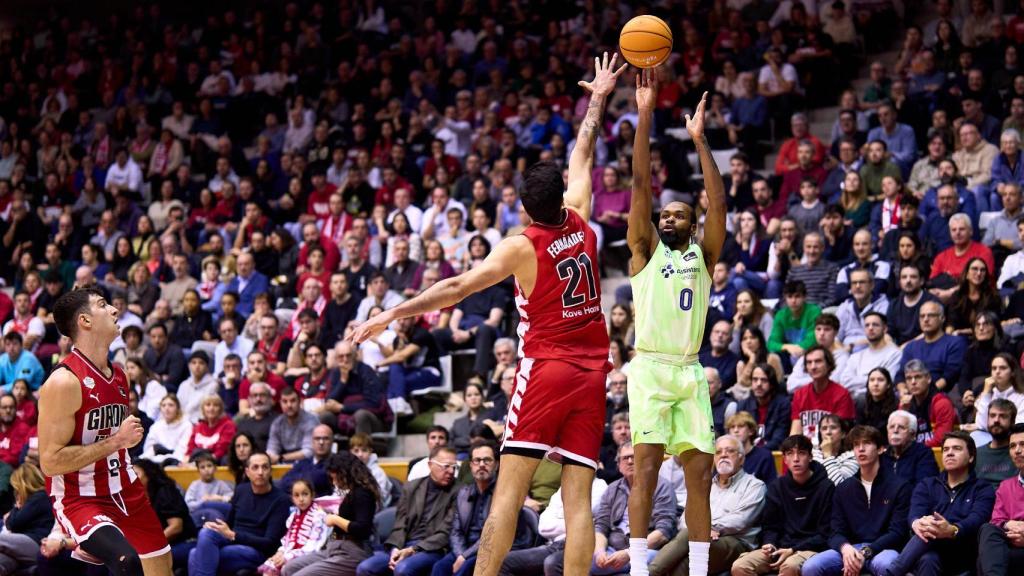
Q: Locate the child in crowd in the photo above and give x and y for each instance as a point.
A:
(208, 498)
(307, 529)
(361, 445)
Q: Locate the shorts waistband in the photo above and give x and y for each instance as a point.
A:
(671, 359)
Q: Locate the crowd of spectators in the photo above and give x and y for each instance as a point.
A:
(247, 182)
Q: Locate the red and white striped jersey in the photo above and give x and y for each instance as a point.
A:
(104, 406)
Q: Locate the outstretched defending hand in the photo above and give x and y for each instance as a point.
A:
(646, 90)
(695, 125)
(604, 78)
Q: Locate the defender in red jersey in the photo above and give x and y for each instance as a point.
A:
(557, 409)
(84, 436)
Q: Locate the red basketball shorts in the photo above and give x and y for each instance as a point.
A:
(557, 409)
(129, 512)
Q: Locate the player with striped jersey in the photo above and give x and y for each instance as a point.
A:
(85, 432)
(669, 397)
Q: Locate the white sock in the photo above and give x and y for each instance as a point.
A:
(699, 553)
(638, 557)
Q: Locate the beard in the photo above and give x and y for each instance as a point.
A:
(725, 467)
(617, 399)
(669, 238)
(999, 433)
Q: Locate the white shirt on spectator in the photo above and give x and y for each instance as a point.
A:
(457, 137)
(465, 40)
(552, 519)
(371, 353)
(413, 213)
(440, 217)
(800, 377)
(854, 375)
(766, 76)
(390, 300)
(191, 394)
(242, 347)
(127, 177)
(1013, 266)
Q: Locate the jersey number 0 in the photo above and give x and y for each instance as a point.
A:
(573, 269)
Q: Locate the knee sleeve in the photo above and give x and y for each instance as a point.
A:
(110, 546)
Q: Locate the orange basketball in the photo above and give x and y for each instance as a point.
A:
(645, 41)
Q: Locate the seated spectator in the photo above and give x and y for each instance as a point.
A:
(904, 246)
(197, 386)
(994, 464)
(719, 357)
(472, 505)
(1012, 272)
(27, 523)
(770, 210)
(855, 201)
(361, 445)
(272, 343)
(214, 431)
(257, 370)
(252, 530)
(145, 383)
(792, 330)
(474, 323)
(340, 310)
(805, 169)
(401, 264)
(723, 293)
(898, 138)
(620, 432)
(852, 311)
(942, 353)
(242, 446)
(379, 293)
(976, 295)
(26, 323)
(880, 352)
(192, 324)
(936, 230)
(878, 163)
(1001, 541)
(168, 502)
(750, 311)
(14, 433)
(987, 341)
(306, 529)
(833, 451)
(474, 398)
(904, 322)
(809, 211)
(817, 275)
(819, 398)
(879, 400)
(754, 350)
(722, 404)
(419, 537)
(789, 151)
(351, 527)
(974, 161)
(413, 363)
(16, 364)
(27, 411)
(291, 435)
(259, 416)
(837, 234)
(1005, 382)
(437, 436)
(770, 406)
(248, 283)
(166, 442)
(797, 515)
(924, 175)
(230, 343)
(826, 327)
(863, 535)
(312, 469)
(313, 385)
(1001, 233)
(505, 354)
(737, 500)
(936, 415)
(357, 397)
(208, 497)
(864, 258)
(952, 261)
(946, 529)
(849, 160)
(757, 460)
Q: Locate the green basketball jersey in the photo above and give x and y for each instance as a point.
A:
(671, 296)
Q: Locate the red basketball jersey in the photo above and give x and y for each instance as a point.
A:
(562, 318)
(104, 406)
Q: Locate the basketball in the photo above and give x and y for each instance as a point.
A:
(645, 41)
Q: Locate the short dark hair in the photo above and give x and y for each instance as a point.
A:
(437, 428)
(829, 320)
(1017, 428)
(542, 192)
(259, 453)
(288, 391)
(1005, 405)
(484, 444)
(863, 433)
(795, 288)
(885, 321)
(201, 456)
(830, 360)
(797, 442)
(159, 325)
(972, 448)
(14, 337)
(69, 306)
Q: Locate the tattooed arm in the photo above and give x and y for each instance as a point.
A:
(578, 196)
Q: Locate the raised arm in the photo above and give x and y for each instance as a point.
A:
(578, 195)
(508, 258)
(714, 220)
(59, 399)
(641, 235)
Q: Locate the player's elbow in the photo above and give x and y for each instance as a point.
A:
(50, 465)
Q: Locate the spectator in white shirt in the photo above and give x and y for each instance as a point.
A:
(124, 175)
(378, 293)
(880, 352)
(230, 343)
(403, 204)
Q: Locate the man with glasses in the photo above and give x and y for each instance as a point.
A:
(291, 434)
(861, 302)
(941, 353)
(737, 500)
(356, 403)
(313, 468)
(936, 415)
(422, 524)
(437, 437)
(231, 342)
(272, 343)
(472, 504)
(260, 416)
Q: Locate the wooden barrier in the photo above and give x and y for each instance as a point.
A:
(397, 468)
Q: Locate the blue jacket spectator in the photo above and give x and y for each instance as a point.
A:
(17, 364)
(944, 357)
(899, 138)
(247, 284)
(774, 428)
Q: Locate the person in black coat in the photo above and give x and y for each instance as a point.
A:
(769, 405)
(353, 524)
(169, 505)
(27, 523)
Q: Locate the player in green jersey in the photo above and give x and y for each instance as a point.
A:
(669, 400)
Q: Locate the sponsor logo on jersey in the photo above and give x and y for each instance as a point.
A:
(689, 256)
(564, 243)
(668, 270)
(106, 416)
(89, 382)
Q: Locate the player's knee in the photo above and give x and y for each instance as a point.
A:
(127, 564)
